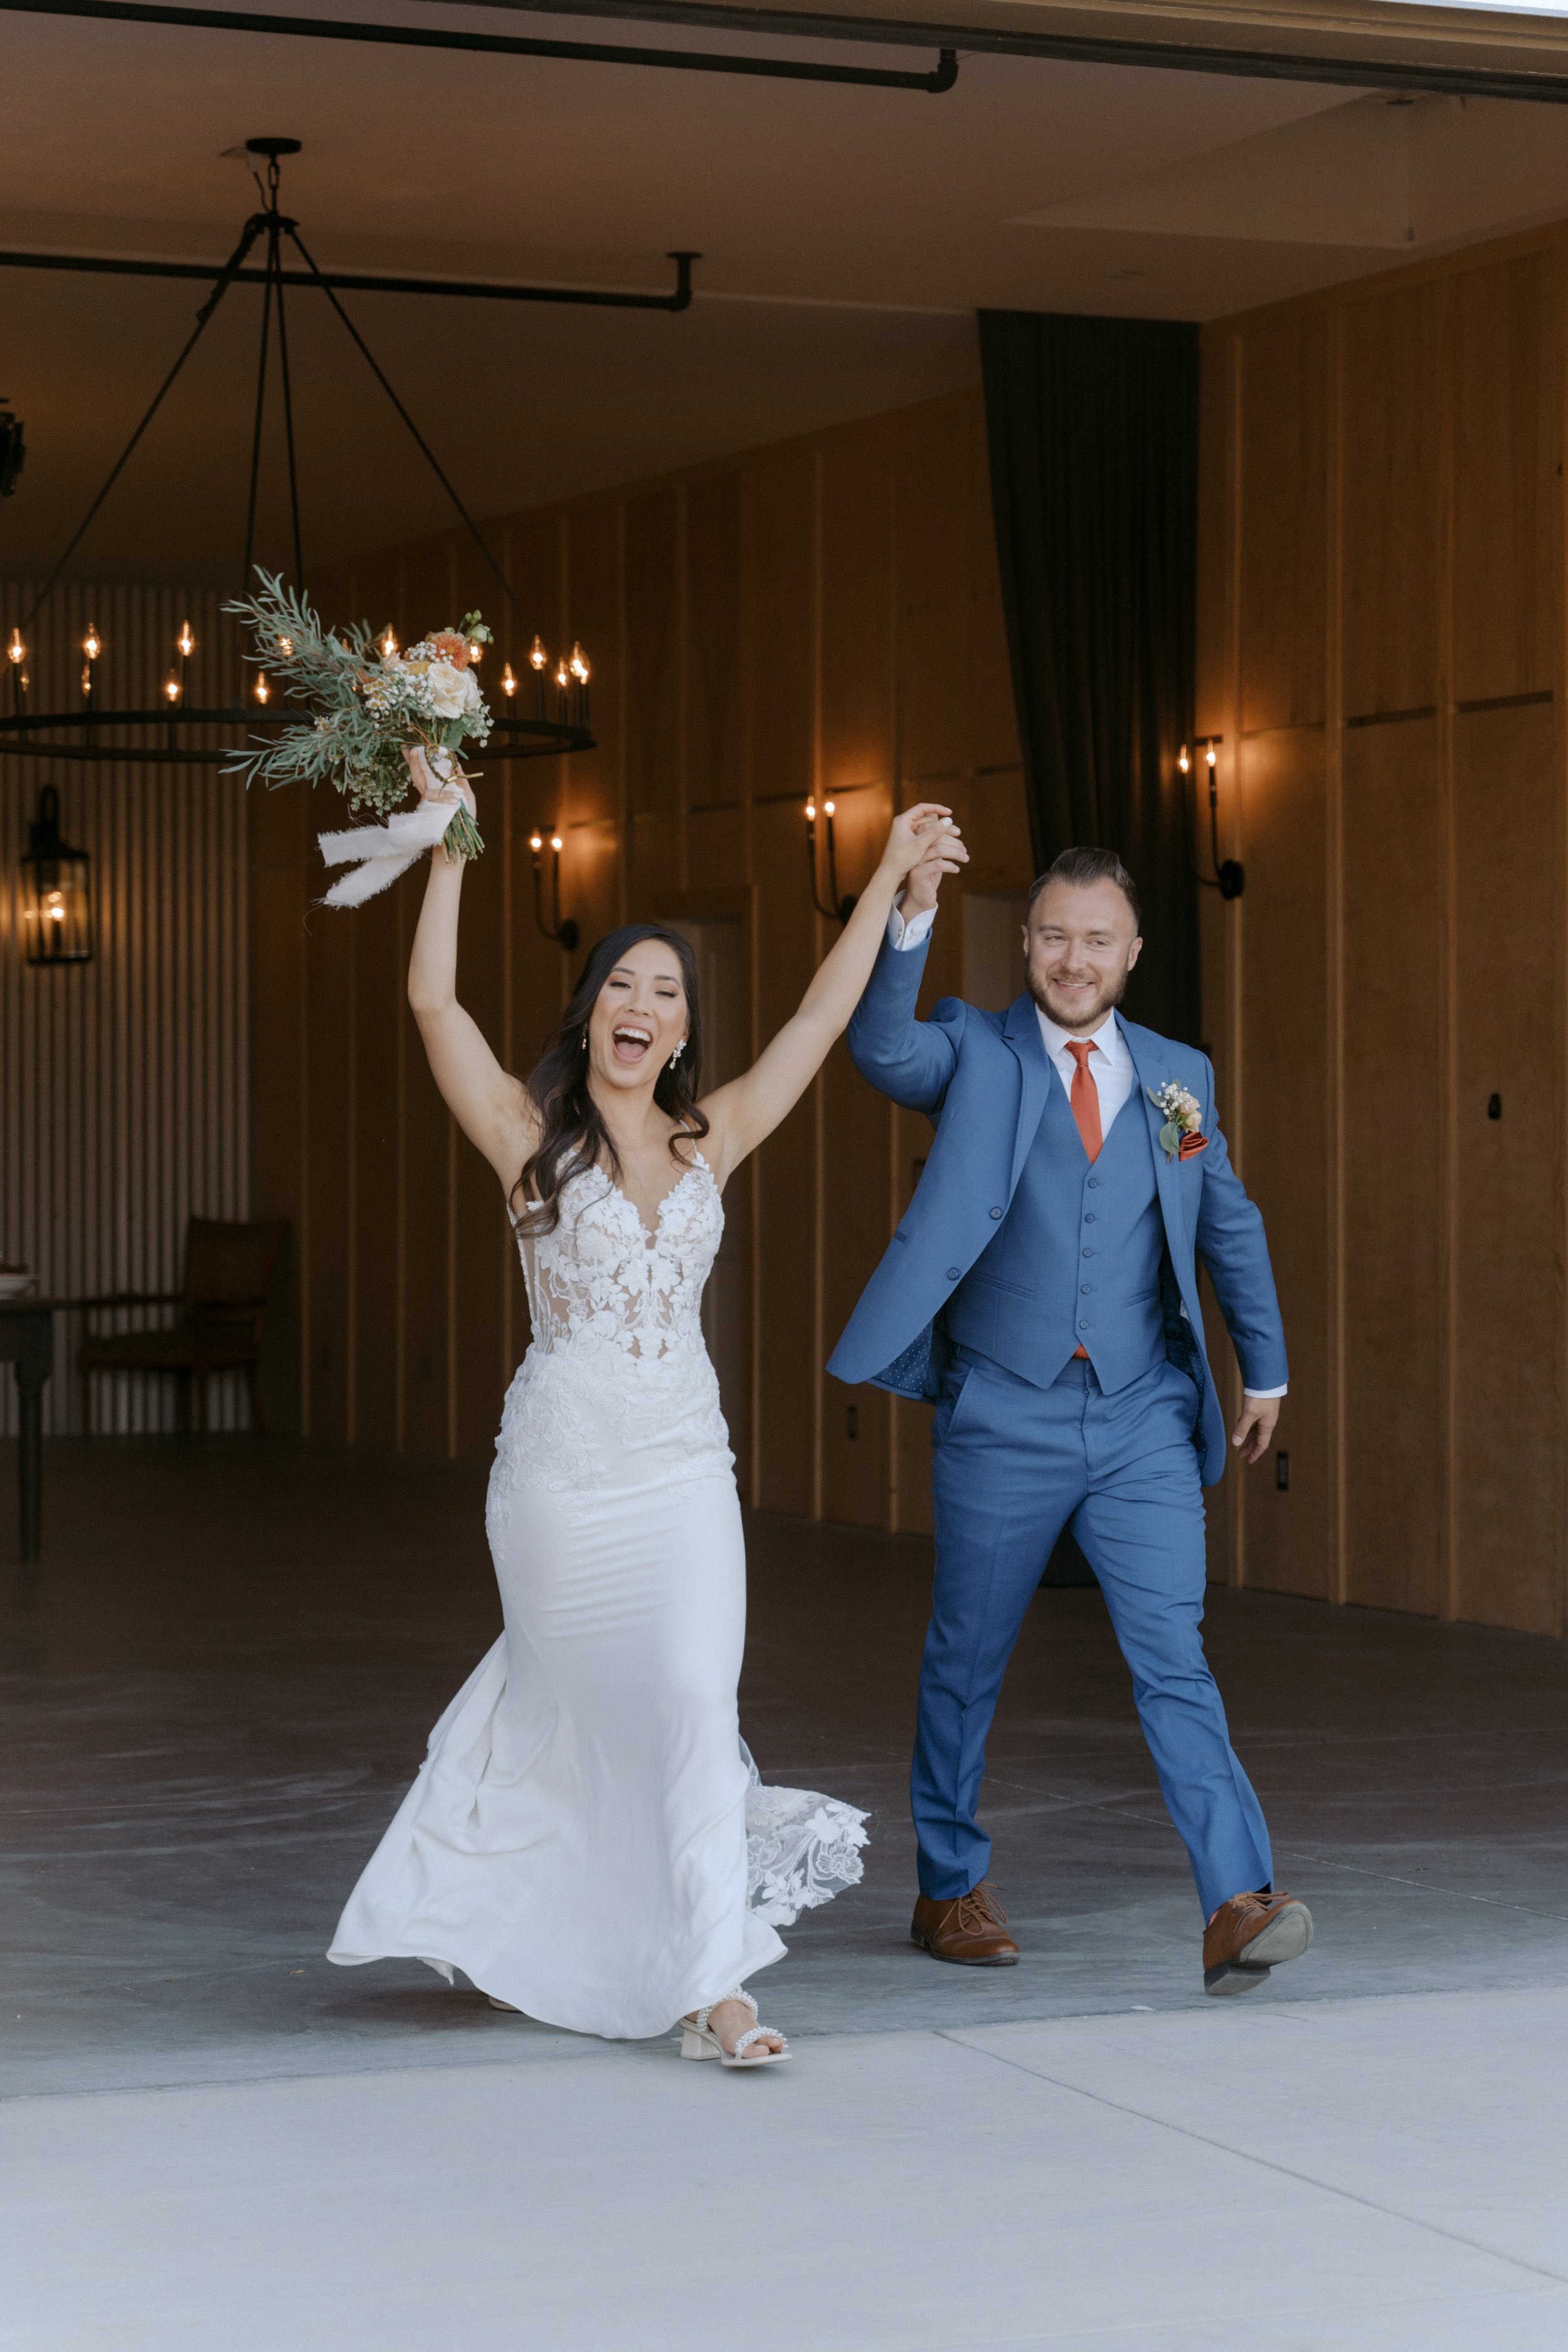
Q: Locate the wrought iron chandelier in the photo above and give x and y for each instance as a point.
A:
(548, 720)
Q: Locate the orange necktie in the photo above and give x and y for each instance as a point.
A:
(1084, 1096)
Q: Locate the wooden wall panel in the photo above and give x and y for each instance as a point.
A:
(781, 565)
(1394, 1089)
(1399, 954)
(1284, 509)
(935, 713)
(715, 639)
(1508, 1216)
(1508, 445)
(1286, 1083)
(1393, 498)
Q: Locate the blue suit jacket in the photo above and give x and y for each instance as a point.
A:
(982, 1077)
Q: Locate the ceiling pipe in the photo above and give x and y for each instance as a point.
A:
(432, 37)
(367, 282)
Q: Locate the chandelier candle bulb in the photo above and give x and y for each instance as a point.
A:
(508, 682)
(261, 689)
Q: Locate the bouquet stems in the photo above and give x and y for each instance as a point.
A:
(461, 838)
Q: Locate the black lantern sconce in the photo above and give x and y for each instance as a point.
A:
(837, 910)
(1229, 877)
(565, 933)
(57, 898)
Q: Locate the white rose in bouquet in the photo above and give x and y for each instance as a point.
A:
(453, 692)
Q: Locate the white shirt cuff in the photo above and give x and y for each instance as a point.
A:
(912, 934)
(1263, 1393)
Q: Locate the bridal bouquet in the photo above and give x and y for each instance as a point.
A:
(371, 702)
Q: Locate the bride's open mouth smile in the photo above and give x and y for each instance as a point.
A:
(629, 1042)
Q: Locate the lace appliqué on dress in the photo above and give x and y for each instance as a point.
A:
(802, 1848)
(617, 1365)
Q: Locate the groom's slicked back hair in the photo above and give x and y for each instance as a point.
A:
(1083, 867)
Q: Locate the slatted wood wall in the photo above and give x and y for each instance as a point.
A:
(125, 1096)
(1383, 652)
(822, 613)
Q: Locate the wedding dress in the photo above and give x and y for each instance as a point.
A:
(588, 1838)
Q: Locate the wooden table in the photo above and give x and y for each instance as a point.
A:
(27, 1342)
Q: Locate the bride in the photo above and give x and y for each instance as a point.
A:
(587, 1839)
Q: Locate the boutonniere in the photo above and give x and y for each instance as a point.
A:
(1181, 1136)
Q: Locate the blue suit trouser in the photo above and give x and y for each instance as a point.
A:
(1013, 1466)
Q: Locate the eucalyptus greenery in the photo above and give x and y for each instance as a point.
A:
(369, 705)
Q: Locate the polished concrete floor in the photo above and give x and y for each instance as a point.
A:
(218, 1684)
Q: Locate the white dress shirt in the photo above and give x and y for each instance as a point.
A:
(1109, 1065)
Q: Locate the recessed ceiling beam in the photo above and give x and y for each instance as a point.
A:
(508, 45)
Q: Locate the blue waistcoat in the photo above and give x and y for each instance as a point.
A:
(1077, 1260)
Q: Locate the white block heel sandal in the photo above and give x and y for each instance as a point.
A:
(697, 2039)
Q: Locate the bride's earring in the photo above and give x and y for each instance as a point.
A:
(677, 1053)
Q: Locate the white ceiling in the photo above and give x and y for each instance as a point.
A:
(848, 237)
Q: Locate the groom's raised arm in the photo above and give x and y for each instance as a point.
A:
(911, 1060)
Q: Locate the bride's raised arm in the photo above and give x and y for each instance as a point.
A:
(490, 1105)
(744, 1112)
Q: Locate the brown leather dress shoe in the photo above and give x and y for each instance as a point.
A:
(971, 1929)
(1250, 1935)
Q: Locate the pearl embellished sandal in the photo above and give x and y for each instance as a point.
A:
(697, 2039)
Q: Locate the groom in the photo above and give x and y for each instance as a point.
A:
(1042, 1291)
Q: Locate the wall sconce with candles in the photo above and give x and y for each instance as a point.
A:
(837, 910)
(565, 933)
(57, 898)
(1229, 874)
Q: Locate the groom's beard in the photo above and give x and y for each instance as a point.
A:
(1077, 1017)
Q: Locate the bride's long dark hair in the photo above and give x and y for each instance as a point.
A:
(572, 1135)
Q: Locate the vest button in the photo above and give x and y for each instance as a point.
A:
(1089, 1253)
(1094, 1183)
(996, 1213)
(1089, 1217)
(1084, 1288)
(953, 1273)
(1083, 1326)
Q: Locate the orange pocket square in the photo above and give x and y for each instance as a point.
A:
(1191, 1145)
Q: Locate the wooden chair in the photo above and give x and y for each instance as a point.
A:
(229, 1271)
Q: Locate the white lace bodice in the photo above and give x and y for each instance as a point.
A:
(601, 1280)
(618, 1390)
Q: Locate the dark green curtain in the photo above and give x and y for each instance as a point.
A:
(1093, 433)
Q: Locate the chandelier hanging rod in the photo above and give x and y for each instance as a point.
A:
(421, 37)
(274, 224)
(365, 283)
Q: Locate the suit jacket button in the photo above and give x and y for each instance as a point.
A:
(996, 1213)
(953, 1273)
